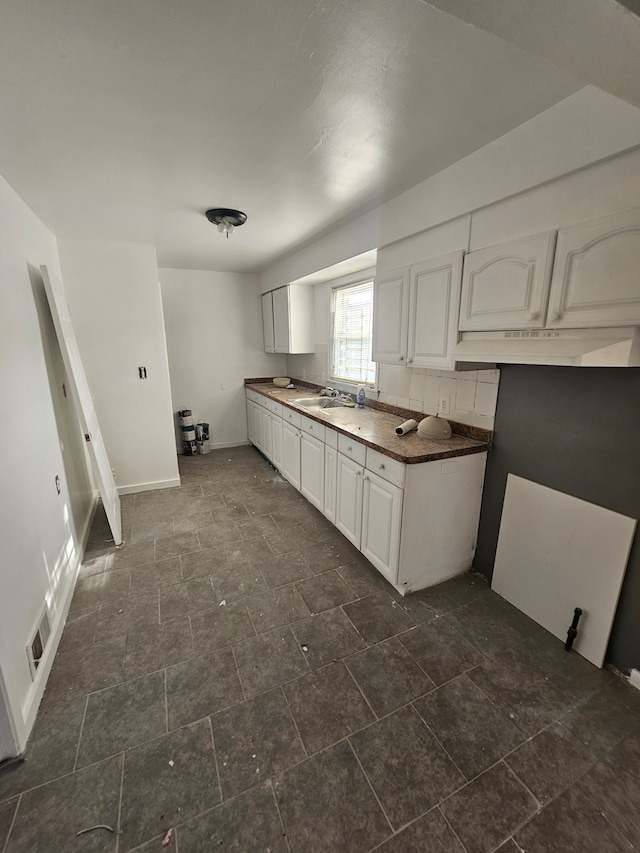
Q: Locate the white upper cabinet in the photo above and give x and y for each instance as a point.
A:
(507, 286)
(391, 316)
(287, 319)
(434, 297)
(596, 277)
(267, 322)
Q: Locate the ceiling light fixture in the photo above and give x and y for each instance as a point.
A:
(226, 219)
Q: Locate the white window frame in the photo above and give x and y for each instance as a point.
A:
(353, 280)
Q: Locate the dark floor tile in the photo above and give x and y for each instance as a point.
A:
(235, 512)
(180, 599)
(236, 580)
(254, 740)
(550, 762)
(440, 650)
(276, 608)
(613, 786)
(520, 692)
(130, 555)
(574, 675)
(203, 563)
(363, 578)
(248, 823)
(221, 626)
(95, 591)
(491, 624)
(247, 550)
(151, 576)
(176, 545)
(50, 817)
(92, 566)
(166, 781)
(156, 844)
(327, 705)
(284, 569)
(261, 525)
(601, 721)
(291, 514)
(388, 676)
(157, 647)
(149, 528)
(127, 614)
(488, 810)
(327, 805)
(325, 591)
(51, 750)
(80, 672)
(429, 834)
(201, 686)
(269, 660)
(7, 813)
(408, 769)
(468, 725)
(216, 536)
(291, 539)
(327, 636)
(437, 600)
(464, 588)
(509, 846)
(79, 631)
(377, 617)
(414, 605)
(328, 555)
(123, 716)
(189, 522)
(570, 822)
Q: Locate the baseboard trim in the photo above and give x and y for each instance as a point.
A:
(34, 697)
(149, 487)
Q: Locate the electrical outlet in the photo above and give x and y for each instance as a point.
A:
(444, 405)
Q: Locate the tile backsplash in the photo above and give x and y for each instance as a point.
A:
(473, 393)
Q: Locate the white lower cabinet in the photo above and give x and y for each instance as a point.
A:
(349, 498)
(291, 453)
(312, 470)
(381, 523)
(417, 524)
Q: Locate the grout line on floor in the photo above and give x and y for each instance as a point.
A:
(84, 716)
(369, 783)
(215, 757)
(13, 820)
(118, 825)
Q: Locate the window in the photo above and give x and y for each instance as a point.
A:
(351, 333)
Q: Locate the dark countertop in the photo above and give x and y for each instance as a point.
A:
(376, 428)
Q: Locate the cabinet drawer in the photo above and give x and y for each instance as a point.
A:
(291, 417)
(312, 427)
(275, 408)
(251, 395)
(331, 438)
(352, 448)
(386, 467)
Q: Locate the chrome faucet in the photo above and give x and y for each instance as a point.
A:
(329, 392)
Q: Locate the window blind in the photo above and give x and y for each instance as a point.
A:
(351, 338)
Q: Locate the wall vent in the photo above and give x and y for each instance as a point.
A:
(35, 649)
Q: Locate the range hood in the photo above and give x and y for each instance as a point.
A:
(576, 347)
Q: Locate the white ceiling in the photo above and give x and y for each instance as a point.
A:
(125, 120)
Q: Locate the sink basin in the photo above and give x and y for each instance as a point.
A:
(317, 402)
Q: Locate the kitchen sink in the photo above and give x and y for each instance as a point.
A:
(317, 402)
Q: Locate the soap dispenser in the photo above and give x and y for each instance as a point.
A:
(361, 396)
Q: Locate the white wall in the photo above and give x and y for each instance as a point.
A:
(114, 299)
(42, 532)
(214, 338)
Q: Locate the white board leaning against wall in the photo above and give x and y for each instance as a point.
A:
(81, 393)
(557, 552)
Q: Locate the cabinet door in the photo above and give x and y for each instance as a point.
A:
(596, 279)
(330, 474)
(267, 441)
(251, 421)
(312, 470)
(276, 442)
(281, 319)
(349, 499)
(291, 453)
(267, 322)
(381, 521)
(390, 316)
(434, 301)
(507, 286)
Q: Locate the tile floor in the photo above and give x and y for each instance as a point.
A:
(240, 675)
